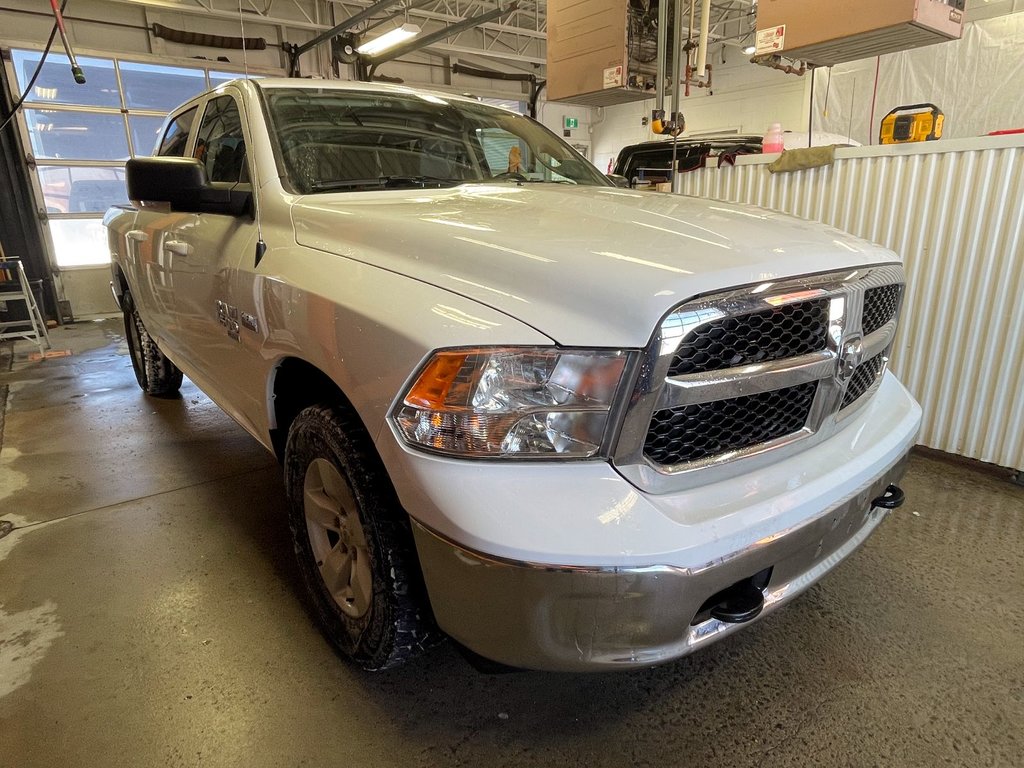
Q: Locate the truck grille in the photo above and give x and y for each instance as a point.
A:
(774, 334)
(736, 374)
(880, 305)
(701, 430)
(863, 377)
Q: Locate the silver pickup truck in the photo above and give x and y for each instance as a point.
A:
(572, 426)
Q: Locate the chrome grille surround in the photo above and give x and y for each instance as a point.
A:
(845, 356)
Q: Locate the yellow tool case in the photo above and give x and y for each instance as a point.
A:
(917, 122)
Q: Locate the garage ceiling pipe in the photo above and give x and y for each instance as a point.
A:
(659, 75)
(677, 62)
(702, 44)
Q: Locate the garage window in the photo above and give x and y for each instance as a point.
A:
(81, 135)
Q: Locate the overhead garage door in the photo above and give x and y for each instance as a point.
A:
(80, 136)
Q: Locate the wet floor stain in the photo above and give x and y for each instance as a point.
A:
(25, 638)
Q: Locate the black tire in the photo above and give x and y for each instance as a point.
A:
(391, 621)
(156, 375)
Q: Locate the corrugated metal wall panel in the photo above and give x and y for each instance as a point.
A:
(957, 218)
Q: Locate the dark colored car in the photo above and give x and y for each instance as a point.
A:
(651, 161)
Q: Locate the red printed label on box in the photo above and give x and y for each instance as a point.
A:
(770, 40)
(613, 77)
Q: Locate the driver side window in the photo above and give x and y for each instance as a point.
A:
(220, 143)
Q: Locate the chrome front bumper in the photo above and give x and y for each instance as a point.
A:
(588, 619)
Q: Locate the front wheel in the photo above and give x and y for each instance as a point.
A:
(352, 541)
(156, 374)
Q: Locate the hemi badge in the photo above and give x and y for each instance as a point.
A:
(249, 321)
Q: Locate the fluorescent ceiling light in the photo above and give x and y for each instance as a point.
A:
(389, 39)
(749, 50)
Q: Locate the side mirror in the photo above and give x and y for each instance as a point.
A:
(618, 181)
(182, 182)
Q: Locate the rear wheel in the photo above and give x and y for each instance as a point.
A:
(155, 373)
(353, 542)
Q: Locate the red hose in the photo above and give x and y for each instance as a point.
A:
(58, 16)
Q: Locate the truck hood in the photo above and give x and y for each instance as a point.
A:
(583, 265)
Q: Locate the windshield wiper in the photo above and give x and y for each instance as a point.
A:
(384, 182)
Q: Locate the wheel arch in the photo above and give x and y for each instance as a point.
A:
(118, 282)
(296, 384)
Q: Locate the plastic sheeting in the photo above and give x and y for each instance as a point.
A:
(977, 81)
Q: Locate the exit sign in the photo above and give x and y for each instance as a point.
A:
(571, 122)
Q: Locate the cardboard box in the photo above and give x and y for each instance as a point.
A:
(830, 33)
(588, 60)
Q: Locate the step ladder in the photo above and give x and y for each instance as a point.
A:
(14, 287)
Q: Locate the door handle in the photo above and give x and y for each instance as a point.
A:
(137, 235)
(178, 247)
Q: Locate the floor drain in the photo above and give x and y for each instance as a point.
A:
(5, 527)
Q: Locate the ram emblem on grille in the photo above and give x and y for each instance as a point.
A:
(849, 359)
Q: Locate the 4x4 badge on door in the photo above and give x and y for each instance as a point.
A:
(228, 316)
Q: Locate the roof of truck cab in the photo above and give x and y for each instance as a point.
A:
(266, 83)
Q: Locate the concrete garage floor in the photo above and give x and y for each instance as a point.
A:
(149, 616)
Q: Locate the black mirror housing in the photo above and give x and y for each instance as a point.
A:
(618, 181)
(182, 183)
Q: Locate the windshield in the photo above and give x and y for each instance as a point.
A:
(335, 140)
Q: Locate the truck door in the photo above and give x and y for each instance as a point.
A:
(148, 256)
(213, 257)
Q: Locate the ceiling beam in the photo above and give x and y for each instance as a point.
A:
(198, 9)
(449, 30)
(347, 24)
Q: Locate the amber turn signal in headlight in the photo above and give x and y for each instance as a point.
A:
(512, 401)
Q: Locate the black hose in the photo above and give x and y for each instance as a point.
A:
(490, 74)
(35, 75)
(209, 41)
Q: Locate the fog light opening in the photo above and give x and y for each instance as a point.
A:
(738, 603)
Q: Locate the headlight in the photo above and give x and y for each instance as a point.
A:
(515, 401)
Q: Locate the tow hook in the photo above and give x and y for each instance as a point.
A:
(893, 498)
(740, 603)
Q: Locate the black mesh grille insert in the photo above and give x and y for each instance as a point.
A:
(698, 431)
(880, 306)
(772, 334)
(863, 377)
